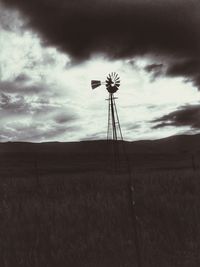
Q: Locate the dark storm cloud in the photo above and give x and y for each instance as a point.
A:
(188, 115)
(18, 85)
(16, 99)
(14, 105)
(189, 68)
(37, 112)
(22, 78)
(120, 29)
(155, 69)
(18, 105)
(10, 21)
(62, 118)
(133, 127)
(21, 97)
(5, 20)
(28, 112)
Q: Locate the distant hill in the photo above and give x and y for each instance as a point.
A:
(173, 144)
(175, 152)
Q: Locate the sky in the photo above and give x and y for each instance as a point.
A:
(51, 50)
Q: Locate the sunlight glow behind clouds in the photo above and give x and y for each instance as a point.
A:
(63, 90)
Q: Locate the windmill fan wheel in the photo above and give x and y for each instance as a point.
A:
(112, 82)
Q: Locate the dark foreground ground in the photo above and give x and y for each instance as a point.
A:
(61, 207)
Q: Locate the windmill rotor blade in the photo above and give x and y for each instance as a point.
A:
(109, 80)
(112, 82)
(116, 78)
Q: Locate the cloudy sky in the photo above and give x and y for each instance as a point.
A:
(50, 51)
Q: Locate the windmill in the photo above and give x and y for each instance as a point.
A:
(112, 84)
(114, 134)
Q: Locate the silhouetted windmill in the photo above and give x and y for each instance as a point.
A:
(114, 132)
(112, 84)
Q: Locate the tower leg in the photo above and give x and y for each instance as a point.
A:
(117, 120)
(109, 119)
(113, 134)
(118, 157)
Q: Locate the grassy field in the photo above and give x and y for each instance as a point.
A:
(68, 214)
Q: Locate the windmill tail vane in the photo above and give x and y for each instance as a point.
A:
(112, 83)
(95, 84)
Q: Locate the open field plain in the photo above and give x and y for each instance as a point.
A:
(61, 207)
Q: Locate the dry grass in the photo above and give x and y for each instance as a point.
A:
(83, 219)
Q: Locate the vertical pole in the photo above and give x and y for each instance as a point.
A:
(131, 188)
(108, 130)
(119, 137)
(113, 118)
(114, 134)
(120, 131)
